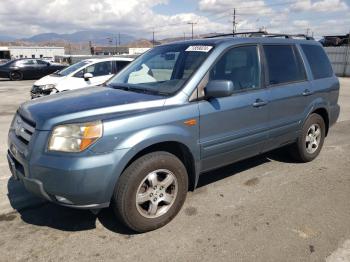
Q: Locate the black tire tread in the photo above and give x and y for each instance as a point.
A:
(125, 181)
(297, 149)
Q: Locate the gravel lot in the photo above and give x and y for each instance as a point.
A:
(263, 209)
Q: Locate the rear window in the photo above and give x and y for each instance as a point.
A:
(318, 61)
(284, 64)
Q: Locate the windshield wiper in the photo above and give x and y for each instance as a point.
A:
(138, 90)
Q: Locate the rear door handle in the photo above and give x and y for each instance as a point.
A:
(307, 92)
(259, 102)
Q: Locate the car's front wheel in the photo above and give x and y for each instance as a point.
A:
(151, 191)
(16, 75)
(311, 138)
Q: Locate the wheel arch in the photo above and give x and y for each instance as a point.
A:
(16, 71)
(176, 148)
(322, 111)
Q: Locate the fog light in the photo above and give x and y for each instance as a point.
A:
(63, 200)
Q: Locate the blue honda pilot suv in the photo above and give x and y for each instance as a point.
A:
(140, 142)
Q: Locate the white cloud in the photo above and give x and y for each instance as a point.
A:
(137, 17)
(319, 6)
(301, 23)
(63, 16)
(250, 7)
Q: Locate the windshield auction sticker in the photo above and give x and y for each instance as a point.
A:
(199, 48)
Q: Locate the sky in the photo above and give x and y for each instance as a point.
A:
(170, 18)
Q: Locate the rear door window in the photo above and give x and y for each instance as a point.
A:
(318, 61)
(41, 62)
(284, 64)
(100, 69)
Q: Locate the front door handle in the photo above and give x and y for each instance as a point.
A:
(307, 92)
(259, 102)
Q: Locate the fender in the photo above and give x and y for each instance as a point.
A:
(318, 103)
(145, 138)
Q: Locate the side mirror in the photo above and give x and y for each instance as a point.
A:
(219, 88)
(48, 64)
(87, 76)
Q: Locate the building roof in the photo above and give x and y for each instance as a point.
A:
(4, 48)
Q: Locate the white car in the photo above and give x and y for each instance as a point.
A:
(89, 72)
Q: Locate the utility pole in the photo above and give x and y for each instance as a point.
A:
(90, 47)
(119, 39)
(234, 21)
(307, 31)
(192, 23)
(184, 36)
(153, 38)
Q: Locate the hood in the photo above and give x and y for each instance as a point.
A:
(86, 104)
(49, 80)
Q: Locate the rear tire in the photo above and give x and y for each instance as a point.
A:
(151, 191)
(16, 76)
(310, 140)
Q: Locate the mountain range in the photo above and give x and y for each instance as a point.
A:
(96, 37)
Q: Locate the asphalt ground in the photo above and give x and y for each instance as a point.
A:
(267, 208)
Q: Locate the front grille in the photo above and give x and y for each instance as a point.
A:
(23, 129)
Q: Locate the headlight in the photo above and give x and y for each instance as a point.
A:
(48, 87)
(75, 137)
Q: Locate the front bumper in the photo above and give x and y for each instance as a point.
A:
(37, 92)
(85, 181)
(4, 74)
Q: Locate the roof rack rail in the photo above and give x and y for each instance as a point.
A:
(263, 34)
(240, 33)
(291, 36)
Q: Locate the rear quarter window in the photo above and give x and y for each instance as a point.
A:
(284, 64)
(318, 61)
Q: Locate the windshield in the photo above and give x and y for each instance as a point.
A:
(70, 69)
(162, 70)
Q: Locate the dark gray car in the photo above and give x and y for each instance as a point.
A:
(181, 109)
(19, 69)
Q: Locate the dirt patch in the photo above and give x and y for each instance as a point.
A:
(311, 248)
(252, 182)
(8, 217)
(191, 211)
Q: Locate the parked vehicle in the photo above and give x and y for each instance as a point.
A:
(90, 72)
(19, 69)
(181, 109)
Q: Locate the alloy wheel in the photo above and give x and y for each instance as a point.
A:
(313, 138)
(156, 193)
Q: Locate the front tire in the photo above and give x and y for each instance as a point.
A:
(311, 139)
(16, 76)
(151, 191)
